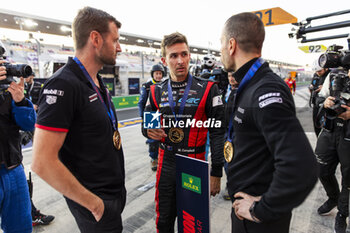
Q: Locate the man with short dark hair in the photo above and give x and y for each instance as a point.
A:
(32, 89)
(77, 146)
(179, 99)
(272, 169)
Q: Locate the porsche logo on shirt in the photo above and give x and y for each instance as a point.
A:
(51, 99)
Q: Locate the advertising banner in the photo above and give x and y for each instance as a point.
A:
(192, 195)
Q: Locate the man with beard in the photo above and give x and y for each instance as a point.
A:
(273, 168)
(77, 147)
(179, 99)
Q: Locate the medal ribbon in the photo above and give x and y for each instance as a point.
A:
(183, 100)
(109, 108)
(247, 77)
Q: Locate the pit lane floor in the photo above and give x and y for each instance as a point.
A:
(139, 213)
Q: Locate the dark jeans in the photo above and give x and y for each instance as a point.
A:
(153, 148)
(245, 226)
(111, 221)
(332, 148)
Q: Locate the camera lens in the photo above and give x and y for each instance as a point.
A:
(322, 60)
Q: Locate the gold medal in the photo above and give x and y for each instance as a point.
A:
(117, 140)
(176, 135)
(228, 151)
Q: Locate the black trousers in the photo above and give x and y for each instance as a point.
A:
(166, 192)
(245, 226)
(316, 121)
(333, 148)
(111, 221)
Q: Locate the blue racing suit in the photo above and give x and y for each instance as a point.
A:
(153, 144)
(15, 207)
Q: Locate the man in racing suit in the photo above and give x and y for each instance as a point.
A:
(157, 74)
(203, 102)
(290, 81)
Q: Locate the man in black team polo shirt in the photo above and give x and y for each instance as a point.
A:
(77, 147)
(273, 168)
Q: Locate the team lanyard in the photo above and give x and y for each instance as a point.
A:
(184, 97)
(248, 76)
(109, 108)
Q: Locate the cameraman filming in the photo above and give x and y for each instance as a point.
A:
(314, 88)
(333, 145)
(16, 112)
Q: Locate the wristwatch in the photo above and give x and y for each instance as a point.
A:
(252, 214)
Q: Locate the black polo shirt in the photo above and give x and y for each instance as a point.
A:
(68, 103)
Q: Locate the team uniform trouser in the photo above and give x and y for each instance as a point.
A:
(332, 149)
(153, 147)
(166, 192)
(111, 221)
(15, 210)
(317, 124)
(245, 226)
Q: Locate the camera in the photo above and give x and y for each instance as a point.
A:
(26, 137)
(341, 92)
(18, 70)
(221, 77)
(335, 57)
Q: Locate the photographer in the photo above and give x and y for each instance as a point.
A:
(314, 88)
(16, 113)
(333, 146)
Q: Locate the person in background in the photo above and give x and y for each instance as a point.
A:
(332, 148)
(16, 112)
(314, 88)
(32, 89)
(157, 74)
(291, 82)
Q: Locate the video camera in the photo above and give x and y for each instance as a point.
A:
(334, 57)
(18, 70)
(341, 92)
(221, 77)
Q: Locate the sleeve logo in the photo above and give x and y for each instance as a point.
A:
(269, 101)
(51, 99)
(217, 101)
